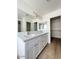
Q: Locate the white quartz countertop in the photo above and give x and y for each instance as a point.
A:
(26, 37)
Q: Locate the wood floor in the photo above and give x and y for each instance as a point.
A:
(52, 51)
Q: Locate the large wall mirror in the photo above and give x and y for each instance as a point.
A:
(43, 26)
(27, 22)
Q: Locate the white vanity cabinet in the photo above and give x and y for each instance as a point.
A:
(32, 48)
(36, 46)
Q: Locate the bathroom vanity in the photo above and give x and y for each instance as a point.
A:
(29, 45)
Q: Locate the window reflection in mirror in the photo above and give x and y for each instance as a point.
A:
(19, 26)
(42, 26)
(28, 27)
(35, 26)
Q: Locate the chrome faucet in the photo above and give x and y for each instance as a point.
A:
(28, 32)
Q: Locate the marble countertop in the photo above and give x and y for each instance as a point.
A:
(26, 37)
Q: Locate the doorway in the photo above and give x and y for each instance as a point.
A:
(55, 27)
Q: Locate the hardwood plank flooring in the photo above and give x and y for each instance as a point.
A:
(52, 51)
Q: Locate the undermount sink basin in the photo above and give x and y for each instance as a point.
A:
(30, 35)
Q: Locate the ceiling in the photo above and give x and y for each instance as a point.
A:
(22, 14)
(39, 7)
(43, 7)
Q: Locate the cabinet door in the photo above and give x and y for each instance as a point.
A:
(31, 53)
(36, 49)
(20, 47)
(27, 50)
(33, 49)
(43, 41)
